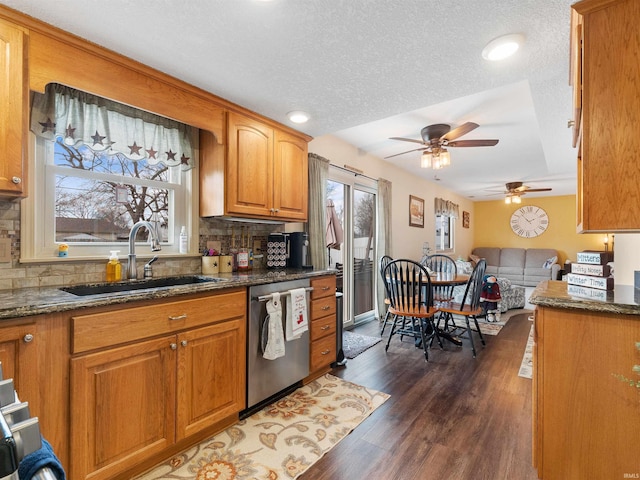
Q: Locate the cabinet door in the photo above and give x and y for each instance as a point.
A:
(249, 176)
(18, 354)
(123, 407)
(13, 114)
(611, 115)
(290, 177)
(211, 375)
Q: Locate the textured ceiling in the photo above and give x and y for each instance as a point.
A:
(366, 70)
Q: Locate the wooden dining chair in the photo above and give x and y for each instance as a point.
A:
(470, 306)
(444, 265)
(410, 303)
(382, 264)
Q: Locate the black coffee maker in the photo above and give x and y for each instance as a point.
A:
(299, 250)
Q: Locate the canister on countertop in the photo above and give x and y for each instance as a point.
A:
(226, 264)
(210, 265)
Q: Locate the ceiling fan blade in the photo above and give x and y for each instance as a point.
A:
(538, 189)
(408, 151)
(473, 143)
(407, 140)
(460, 131)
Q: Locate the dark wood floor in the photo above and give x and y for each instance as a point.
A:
(455, 417)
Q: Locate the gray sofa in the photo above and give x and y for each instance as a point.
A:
(523, 266)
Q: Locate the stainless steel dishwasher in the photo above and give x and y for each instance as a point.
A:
(268, 378)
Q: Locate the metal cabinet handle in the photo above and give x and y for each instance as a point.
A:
(16, 180)
(326, 307)
(28, 338)
(326, 352)
(326, 327)
(173, 346)
(179, 317)
(324, 289)
(184, 343)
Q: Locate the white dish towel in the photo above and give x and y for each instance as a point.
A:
(275, 336)
(296, 322)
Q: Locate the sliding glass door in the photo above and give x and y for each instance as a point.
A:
(354, 201)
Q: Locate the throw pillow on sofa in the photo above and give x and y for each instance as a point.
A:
(474, 259)
(549, 262)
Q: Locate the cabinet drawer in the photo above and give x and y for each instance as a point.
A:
(128, 324)
(323, 307)
(323, 327)
(323, 287)
(323, 352)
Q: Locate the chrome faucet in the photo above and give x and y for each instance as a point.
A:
(132, 273)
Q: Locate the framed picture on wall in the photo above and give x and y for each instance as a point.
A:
(416, 212)
(465, 219)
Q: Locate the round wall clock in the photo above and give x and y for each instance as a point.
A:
(529, 221)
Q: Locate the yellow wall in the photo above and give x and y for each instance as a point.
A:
(492, 227)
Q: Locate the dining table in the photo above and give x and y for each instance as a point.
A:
(448, 279)
(442, 279)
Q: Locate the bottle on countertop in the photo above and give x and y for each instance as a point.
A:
(184, 240)
(233, 250)
(114, 268)
(243, 253)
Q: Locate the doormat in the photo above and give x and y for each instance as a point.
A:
(280, 441)
(353, 344)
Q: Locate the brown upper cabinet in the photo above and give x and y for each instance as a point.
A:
(264, 176)
(605, 74)
(13, 114)
(267, 161)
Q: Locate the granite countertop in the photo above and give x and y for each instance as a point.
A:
(622, 300)
(36, 301)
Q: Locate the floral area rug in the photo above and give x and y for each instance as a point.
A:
(353, 344)
(280, 441)
(492, 328)
(526, 367)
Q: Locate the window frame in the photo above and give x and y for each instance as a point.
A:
(440, 247)
(37, 230)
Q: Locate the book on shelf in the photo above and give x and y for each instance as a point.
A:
(602, 283)
(593, 258)
(585, 292)
(591, 269)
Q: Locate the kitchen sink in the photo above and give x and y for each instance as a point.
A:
(126, 286)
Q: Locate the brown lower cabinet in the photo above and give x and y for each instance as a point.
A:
(585, 419)
(322, 326)
(132, 402)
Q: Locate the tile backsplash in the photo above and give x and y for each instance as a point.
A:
(14, 274)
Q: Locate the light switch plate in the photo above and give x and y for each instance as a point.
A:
(5, 249)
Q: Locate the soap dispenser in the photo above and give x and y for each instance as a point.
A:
(114, 268)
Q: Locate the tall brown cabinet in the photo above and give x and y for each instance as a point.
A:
(13, 114)
(605, 73)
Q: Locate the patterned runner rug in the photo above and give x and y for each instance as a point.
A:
(526, 367)
(353, 344)
(282, 440)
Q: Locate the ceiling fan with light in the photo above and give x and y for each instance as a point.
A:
(435, 140)
(516, 189)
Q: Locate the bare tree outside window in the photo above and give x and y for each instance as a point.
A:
(88, 207)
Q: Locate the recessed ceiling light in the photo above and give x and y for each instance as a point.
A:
(502, 47)
(298, 116)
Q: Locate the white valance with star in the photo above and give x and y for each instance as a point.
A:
(110, 127)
